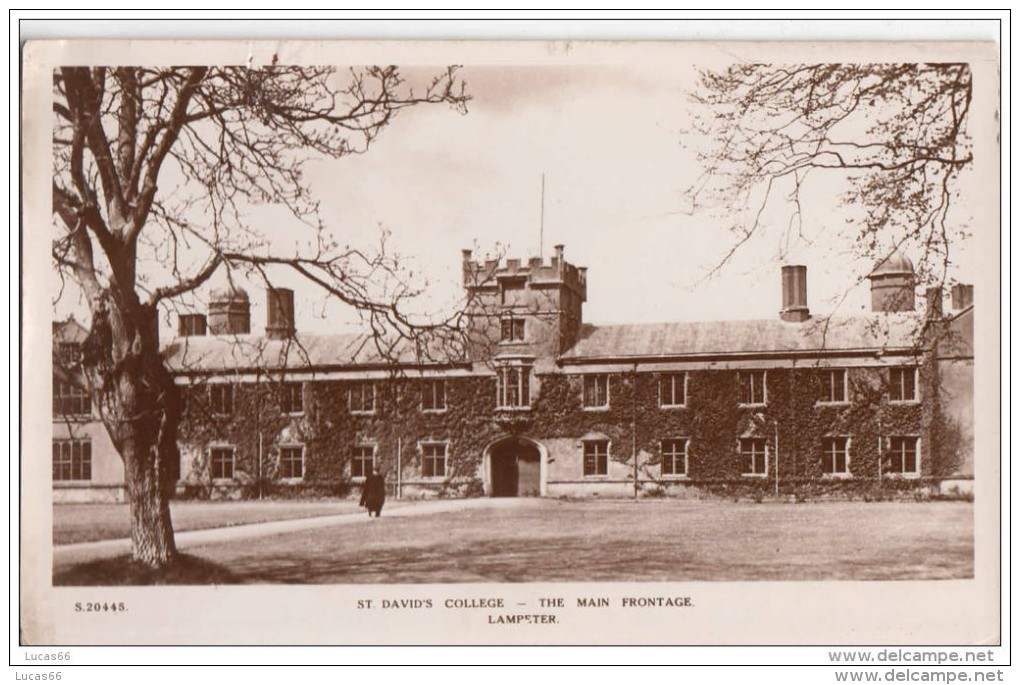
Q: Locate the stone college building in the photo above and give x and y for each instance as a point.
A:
(790, 404)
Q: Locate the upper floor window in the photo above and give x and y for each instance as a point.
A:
(292, 461)
(673, 390)
(752, 387)
(674, 457)
(902, 456)
(221, 398)
(433, 460)
(835, 459)
(292, 398)
(596, 457)
(596, 391)
(513, 387)
(362, 398)
(72, 460)
(903, 384)
(221, 463)
(833, 382)
(362, 461)
(70, 400)
(433, 395)
(753, 457)
(511, 330)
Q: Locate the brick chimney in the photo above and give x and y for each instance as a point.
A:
(189, 325)
(279, 313)
(795, 308)
(933, 303)
(963, 295)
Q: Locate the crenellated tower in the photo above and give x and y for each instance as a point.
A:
(526, 309)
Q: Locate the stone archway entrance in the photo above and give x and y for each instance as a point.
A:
(515, 468)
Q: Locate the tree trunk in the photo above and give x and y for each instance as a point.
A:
(141, 407)
(152, 534)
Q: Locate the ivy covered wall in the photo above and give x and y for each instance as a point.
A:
(712, 420)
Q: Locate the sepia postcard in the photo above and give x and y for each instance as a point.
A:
(497, 343)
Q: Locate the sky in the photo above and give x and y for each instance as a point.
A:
(614, 145)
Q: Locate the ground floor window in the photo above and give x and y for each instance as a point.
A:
(292, 461)
(834, 456)
(362, 461)
(433, 460)
(221, 462)
(674, 457)
(72, 460)
(752, 456)
(596, 457)
(902, 457)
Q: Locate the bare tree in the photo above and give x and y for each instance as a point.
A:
(159, 167)
(895, 134)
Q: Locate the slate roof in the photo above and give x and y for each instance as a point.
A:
(767, 337)
(246, 352)
(871, 332)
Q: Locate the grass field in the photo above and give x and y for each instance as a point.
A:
(578, 541)
(89, 522)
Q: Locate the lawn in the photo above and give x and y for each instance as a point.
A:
(90, 522)
(574, 541)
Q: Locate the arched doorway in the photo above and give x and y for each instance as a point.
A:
(515, 468)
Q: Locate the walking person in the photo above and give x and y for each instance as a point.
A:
(373, 492)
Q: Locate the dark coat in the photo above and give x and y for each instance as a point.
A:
(373, 492)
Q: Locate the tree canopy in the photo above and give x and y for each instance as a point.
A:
(896, 134)
(168, 162)
(155, 173)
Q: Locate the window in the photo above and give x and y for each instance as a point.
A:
(72, 460)
(752, 387)
(674, 457)
(292, 398)
(433, 395)
(902, 457)
(834, 456)
(596, 391)
(363, 398)
(673, 390)
(362, 461)
(70, 400)
(511, 330)
(513, 387)
(752, 455)
(596, 457)
(292, 461)
(903, 384)
(221, 462)
(833, 382)
(221, 398)
(433, 460)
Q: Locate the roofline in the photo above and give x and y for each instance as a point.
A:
(269, 371)
(725, 356)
